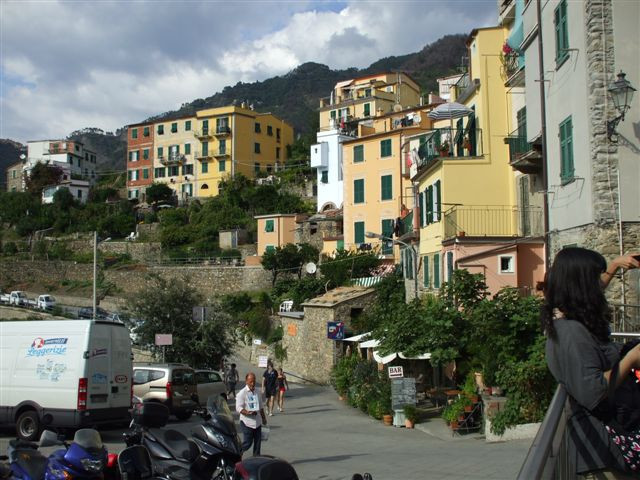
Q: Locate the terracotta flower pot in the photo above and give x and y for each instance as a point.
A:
(408, 423)
(460, 418)
(454, 425)
(468, 408)
(387, 419)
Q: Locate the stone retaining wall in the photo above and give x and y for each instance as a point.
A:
(209, 280)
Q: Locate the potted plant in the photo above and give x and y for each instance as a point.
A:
(387, 419)
(443, 148)
(410, 415)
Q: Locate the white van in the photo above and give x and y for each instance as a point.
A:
(78, 371)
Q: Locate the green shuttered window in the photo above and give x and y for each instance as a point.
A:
(387, 231)
(358, 191)
(386, 188)
(566, 151)
(436, 270)
(358, 229)
(385, 148)
(358, 154)
(562, 32)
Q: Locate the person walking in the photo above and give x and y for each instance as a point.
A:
(231, 378)
(581, 356)
(269, 380)
(249, 406)
(281, 386)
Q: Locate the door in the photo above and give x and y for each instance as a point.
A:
(525, 220)
(109, 367)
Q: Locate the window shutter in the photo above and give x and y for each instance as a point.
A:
(436, 270)
(430, 205)
(387, 231)
(425, 266)
(358, 228)
(421, 202)
(437, 208)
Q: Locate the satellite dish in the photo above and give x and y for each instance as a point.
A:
(397, 108)
(310, 268)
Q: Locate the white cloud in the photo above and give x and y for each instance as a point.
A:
(69, 65)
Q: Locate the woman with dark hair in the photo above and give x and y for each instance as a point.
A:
(581, 356)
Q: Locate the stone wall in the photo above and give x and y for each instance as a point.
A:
(209, 280)
(604, 238)
(310, 354)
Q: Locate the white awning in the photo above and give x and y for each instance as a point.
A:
(369, 344)
(424, 356)
(384, 360)
(357, 338)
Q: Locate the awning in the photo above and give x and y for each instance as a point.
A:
(357, 338)
(384, 360)
(369, 344)
(424, 356)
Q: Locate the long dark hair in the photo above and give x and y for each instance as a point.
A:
(573, 286)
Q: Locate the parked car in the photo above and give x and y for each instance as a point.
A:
(209, 383)
(87, 312)
(45, 302)
(173, 384)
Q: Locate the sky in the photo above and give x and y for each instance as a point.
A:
(67, 65)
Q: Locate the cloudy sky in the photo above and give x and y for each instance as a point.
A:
(67, 65)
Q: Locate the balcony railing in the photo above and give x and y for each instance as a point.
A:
(220, 153)
(355, 96)
(447, 143)
(523, 156)
(203, 155)
(223, 130)
(203, 134)
(173, 159)
(492, 221)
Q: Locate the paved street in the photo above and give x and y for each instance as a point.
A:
(325, 439)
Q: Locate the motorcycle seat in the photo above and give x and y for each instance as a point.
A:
(32, 462)
(176, 443)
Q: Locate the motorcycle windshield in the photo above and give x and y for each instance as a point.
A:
(88, 438)
(221, 416)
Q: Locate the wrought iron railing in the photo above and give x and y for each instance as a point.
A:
(204, 133)
(449, 143)
(518, 145)
(223, 130)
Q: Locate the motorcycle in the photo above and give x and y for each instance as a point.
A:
(135, 464)
(266, 467)
(84, 458)
(210, 454)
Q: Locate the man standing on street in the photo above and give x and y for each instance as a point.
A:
(231, 377)
(249, 405)
(269, 381)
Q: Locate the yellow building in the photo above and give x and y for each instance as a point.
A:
(173, 155)
(373, 95)
(377, 188)
(231, 140)
(465, 184)
(275, 230)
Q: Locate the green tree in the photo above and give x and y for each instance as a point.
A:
(63, 199)
(42, 175)
(347, 265)
(159, 192)
(166, 306)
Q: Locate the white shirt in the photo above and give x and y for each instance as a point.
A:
(252, 402)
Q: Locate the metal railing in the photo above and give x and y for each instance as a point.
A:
(223, 130)
(492, 221)
(450, 143)
(204, 133)
(200, 261)
(172, 159)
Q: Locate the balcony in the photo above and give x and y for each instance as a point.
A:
(203, 134)
(223, 152)
(351, 97)
(523, 156)
(437, 145)
(223, 131)
(512, 69)
(203, 155)
(493, 221)
(177, 159)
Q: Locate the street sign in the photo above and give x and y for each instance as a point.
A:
(396, 372)
(257, 341)
(335, 330)
(262, 361)
(164, 339)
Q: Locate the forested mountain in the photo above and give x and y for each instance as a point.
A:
(294, 97)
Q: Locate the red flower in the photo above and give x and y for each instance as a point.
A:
(506, 49)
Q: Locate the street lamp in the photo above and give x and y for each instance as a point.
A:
(621, 93)
(95, 268)
(413, 253)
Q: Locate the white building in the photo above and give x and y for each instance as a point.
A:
(326, 158)
(78, 188)
(445, 84)
(81, 162)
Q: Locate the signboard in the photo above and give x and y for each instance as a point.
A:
(292, 329)
(257, 341)
(396, 372)
(164, 339)
(262, 361)
(335, 330)
(403, 392)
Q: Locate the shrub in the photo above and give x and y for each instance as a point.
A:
(411, 413)
(10, 248)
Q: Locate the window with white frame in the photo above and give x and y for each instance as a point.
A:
(507, 263)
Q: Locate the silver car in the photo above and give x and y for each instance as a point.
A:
(210, 382)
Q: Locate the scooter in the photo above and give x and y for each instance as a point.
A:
(266, 467)
(135, 464)
(210, 454)
(26, 460)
